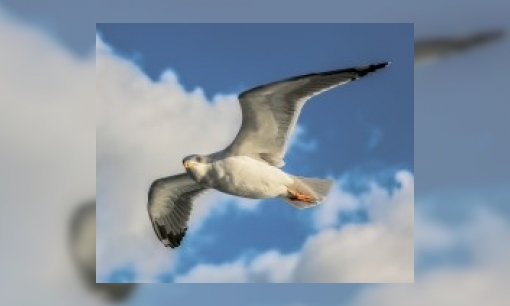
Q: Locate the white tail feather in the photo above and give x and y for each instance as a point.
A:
(316, 188)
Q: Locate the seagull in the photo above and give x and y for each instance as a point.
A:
(250, 166)
(433, 49)
(83, 249)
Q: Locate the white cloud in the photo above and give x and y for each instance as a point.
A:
(338, 201)
(270, 267)
(379, 251)
(443, 288)
(47, 164)
(480, 282)
(144, 129)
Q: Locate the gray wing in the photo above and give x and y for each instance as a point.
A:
(441, 47)
(170, 204)
(270, 112)
(83, 248)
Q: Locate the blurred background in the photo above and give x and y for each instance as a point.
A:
(47, 161)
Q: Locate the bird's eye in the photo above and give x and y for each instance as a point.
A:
(200, 159)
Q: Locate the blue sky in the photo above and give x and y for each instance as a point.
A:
(364, 129)
(231, 58)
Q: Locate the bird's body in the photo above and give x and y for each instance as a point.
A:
(250, 166)
(244, 176)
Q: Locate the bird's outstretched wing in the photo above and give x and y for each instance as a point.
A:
(429, 49)
(270, 112)
(170, 204)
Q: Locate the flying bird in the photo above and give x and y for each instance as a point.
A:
(432, 49)
(250, 166)
(83, 249)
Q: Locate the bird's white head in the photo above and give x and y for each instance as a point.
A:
(196, 166)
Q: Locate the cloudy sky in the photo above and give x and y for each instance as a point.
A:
(461, 201)
(160, 87)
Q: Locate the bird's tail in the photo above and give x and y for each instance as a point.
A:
(307, 192)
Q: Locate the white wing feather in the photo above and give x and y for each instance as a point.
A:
(170, 204)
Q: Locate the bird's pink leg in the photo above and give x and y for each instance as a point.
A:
(298, 196)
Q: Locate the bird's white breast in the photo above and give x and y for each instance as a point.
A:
(247, 177)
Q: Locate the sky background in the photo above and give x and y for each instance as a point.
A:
(226, 59)
(359, 134)
(462, 200)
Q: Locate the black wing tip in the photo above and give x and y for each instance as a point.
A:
(375, 67)
(365, 70)
(171, 240)
(358, 71)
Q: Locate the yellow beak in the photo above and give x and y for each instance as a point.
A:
(189, 164)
